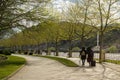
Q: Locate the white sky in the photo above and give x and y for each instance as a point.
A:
(62, 4)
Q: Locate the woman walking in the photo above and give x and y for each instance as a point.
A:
(83, 55)
(90, 56)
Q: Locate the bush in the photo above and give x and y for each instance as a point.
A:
(6, 52)
(25, 52)
(1, 51)
(76, 49)
(31, 53)
(3, 58)
(112, 49)
(52, 49)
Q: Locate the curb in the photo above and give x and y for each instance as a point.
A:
(12, 74)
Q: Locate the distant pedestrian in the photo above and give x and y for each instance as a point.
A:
(83, 55)
(90, 56)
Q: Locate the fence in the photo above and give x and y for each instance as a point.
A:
(111, 56)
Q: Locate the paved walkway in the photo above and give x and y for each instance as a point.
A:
(45, 69)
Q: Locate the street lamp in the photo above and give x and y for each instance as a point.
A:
(97, 47)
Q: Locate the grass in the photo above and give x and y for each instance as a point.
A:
(10, 65)
(62, 60)
(113, 61)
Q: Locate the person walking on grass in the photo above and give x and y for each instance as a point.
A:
(90, 56)
(83, 55)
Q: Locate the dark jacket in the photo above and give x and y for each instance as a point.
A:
(90, 55)
(83, 56)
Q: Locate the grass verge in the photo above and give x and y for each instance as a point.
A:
(62, 60)
(10, 65)
(113, 61)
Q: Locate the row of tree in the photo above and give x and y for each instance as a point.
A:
(78, 21)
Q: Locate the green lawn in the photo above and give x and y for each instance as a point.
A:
(10, 65)
(63, 61)
(113, 61)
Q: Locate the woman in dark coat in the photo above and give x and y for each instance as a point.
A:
(90, 56)
(83, 55)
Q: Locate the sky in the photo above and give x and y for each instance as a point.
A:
(60, 4)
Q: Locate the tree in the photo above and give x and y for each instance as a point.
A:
(16, 13)
(56, 32)
(82, 12)
(10, 13)
(76, 16)
(21, 14)
(106, 12)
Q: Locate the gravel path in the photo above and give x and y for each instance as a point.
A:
(45, 69)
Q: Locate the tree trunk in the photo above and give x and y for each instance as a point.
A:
(57, 52)
(70, 49)
(82, 42)
(56, 49)
(47, 51)
(101, 47)
(39, 51)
